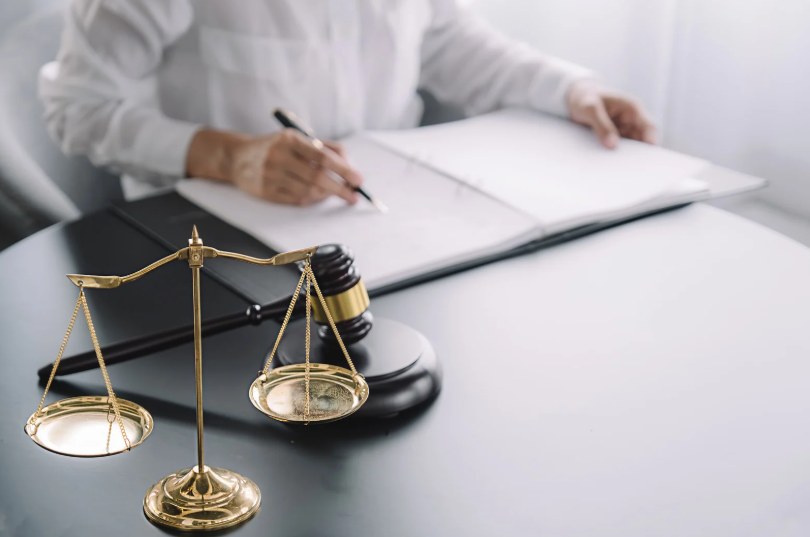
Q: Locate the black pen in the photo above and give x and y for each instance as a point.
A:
(290, 121)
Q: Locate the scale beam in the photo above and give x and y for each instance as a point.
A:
(111, 282)
(279, 259)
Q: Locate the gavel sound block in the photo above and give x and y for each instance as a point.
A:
(398, 362)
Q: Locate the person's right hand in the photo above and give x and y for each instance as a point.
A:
(284, 167)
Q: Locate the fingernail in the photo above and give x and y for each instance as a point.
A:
(611, 140)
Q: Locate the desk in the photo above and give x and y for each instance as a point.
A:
(648, 380)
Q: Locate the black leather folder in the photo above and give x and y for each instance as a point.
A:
(155, 312)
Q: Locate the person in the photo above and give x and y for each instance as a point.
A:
(158, 90)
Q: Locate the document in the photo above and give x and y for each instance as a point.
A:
(465, 190)
(549, 167)
(432, 222)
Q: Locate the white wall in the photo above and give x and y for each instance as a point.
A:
(728, 80)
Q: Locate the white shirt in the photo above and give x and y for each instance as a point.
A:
(135, 79)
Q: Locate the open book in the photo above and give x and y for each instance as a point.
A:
(466, 190)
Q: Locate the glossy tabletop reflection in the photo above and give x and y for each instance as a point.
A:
(647, 380)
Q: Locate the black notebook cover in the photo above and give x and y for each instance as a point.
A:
(131, 235)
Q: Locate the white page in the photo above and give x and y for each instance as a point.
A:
(545, 166)
(434, 222)
(684, 191)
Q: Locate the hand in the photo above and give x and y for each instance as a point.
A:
(284, 167)
(609, 114)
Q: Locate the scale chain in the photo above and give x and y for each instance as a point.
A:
(103, 367)
(82, 302)
(331, 321)
(306, 347)
(284, 324)
(32, 420)
(110, 413)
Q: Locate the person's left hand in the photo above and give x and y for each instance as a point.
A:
(609, 114)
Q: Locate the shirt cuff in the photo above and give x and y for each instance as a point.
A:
(161, 145)
(549, 92)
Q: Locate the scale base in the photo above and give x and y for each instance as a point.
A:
(398, 363)
(210, 500)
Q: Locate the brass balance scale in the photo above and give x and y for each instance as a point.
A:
(201, 497)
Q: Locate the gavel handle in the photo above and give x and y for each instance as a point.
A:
(136, 348)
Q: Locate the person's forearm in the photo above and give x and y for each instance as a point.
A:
(211, 154)
(88, 111)
(468, 63)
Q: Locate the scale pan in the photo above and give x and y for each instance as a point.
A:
(334, 393)
(79, 427)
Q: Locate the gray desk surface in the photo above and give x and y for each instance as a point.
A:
(647, 380)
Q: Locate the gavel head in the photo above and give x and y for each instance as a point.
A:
(345, 295)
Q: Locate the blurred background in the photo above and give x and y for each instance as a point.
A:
(725, 80)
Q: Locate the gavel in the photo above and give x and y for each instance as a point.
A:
(398, 362)
(345, 295)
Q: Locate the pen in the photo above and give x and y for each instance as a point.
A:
(290, 121)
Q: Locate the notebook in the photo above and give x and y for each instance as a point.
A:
(466, 190)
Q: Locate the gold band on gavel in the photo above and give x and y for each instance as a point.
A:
(344, 306)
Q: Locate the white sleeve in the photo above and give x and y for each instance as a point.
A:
(100, 95)
(467, 63)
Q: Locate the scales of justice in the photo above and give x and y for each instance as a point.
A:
(201, 497)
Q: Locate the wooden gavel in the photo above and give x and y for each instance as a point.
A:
(345, 294)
